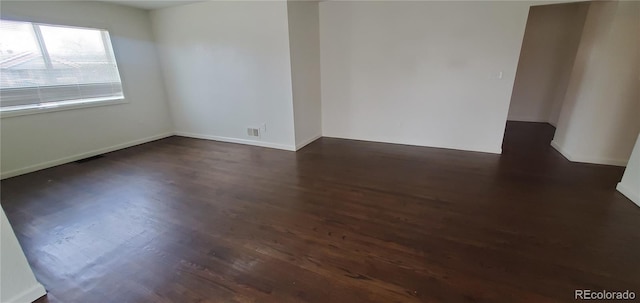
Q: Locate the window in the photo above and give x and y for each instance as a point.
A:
(48, 66)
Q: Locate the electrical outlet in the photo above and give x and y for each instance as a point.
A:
(253, 132)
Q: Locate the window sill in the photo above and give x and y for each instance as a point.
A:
(15, 111)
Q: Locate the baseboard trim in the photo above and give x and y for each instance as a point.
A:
(527, 119)
(561, 150)
(627, 192)
(29, 295)
(306, 142)
(497, 151)
(237, 141)
(49, 164)
(581, 159)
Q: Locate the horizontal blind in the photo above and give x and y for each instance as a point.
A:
(42, 64)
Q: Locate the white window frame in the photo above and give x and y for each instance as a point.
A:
(30, 109)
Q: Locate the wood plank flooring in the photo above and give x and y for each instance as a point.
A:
(186, 220)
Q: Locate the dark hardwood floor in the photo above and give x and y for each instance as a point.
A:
(186, 220)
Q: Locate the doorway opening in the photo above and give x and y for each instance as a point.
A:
(551, 40)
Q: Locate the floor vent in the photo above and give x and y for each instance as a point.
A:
(89, 159)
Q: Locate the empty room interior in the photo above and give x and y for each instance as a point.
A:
(319, 151)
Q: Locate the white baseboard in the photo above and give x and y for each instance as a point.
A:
(48, 164)
(563, 152)
(307, 141)
(29, 295)
(582, 159)
(634, 196)
(238, 141)
(488, 150)
(527, 119)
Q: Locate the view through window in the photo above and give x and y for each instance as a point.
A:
(48, 66)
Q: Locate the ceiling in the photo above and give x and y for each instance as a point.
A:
(151, 4)
(156, 4)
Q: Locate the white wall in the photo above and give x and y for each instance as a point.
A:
(304, 42)
(630, 183)
(17, 282)
(42, 140)
(420, 73)
(548, 51)
(227, 67)
(599, 119)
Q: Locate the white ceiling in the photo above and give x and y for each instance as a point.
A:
(151, 4)
(156, 4)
